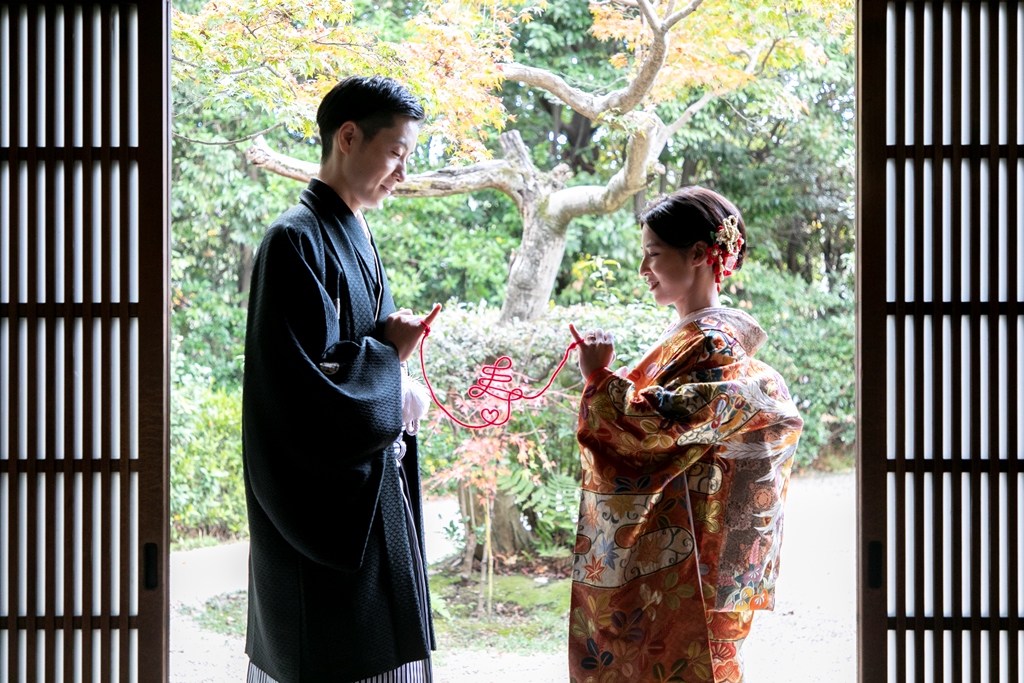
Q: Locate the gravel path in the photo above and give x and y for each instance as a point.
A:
(199, 656)
(811, 637)
(812, 634)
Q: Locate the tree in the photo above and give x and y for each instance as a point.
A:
(243, 69)
(458, 52)
(792, 175)
(661, 69)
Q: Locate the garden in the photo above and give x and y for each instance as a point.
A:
(549, 126)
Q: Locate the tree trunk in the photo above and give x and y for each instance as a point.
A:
(531, 279)
(245, 273)
(468, 508)
(793, 248)
(508, 535)
(556, 128)
(534, 267)
(687, 172)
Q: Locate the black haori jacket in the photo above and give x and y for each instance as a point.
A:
(332, 594)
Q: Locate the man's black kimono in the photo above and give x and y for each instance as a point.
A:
(333, 593)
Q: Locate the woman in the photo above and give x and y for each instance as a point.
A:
(686, 461)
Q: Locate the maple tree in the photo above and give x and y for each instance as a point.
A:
(671, 61)
(282, 56)
(649, 72)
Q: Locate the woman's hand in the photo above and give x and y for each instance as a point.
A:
(403, 329)
(597, 349)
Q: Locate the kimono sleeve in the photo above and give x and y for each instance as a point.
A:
(695, 400)
(314, 445)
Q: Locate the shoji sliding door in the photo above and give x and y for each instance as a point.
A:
(940, 340)
(84, 192)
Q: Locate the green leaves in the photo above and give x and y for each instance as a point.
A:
(219, 212)
(207, 491)
(811, 343)
(551, 503)
(279, 57)
(456, 246)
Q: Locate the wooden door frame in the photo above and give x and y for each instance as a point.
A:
(906, 138)
(153, 155)
(872, 630)
(105, 208)
(154, 334)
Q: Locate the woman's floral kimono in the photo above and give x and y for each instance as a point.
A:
(686, 461)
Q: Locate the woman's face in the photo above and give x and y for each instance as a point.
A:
(673, 275)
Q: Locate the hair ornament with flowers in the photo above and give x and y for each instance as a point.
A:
(725, 251)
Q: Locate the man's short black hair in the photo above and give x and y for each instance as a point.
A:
(371, 102)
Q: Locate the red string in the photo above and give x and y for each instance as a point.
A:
(490, 376)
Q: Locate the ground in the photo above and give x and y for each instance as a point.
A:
(811, 637)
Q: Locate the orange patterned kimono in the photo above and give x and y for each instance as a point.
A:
(686, 461)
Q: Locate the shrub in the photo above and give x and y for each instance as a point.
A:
(534, 456)
(207, 490)
(468, 336)
(811, 343)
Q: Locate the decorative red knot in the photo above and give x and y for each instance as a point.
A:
(489, 384)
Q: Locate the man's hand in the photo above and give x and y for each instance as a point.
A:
(403, 329)
(596, 347)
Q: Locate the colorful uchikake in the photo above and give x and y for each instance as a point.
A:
(723, 254)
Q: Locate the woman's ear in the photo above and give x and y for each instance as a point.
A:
(700, 253)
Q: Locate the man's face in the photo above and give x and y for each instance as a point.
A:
(371, 169)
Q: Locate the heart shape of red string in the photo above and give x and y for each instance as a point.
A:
(489, 383)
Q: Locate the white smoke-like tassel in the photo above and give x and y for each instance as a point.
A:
(415, 401)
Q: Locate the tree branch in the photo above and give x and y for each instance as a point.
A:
(764, 59)
(629, 97)
(649, 14)
(643, 148)
(228, 142)
(236, 72)
(176, 58)
(348, 46)
(261, 156)
(515, 149)
(673, 19)
(495, 174)
(753, 56)
(741, 115)
(618, 101)
(578, 100)
(645, 144)
(508, 176)
(504, 175)
(684, 118)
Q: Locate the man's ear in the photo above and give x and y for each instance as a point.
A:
(346, 137)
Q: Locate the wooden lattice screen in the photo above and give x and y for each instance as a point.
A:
(940, 340)
(84, 199)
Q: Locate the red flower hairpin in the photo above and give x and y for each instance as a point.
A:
(723, 254)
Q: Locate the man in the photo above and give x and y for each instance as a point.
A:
(337, 587)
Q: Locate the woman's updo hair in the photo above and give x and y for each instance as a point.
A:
(691, 215)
